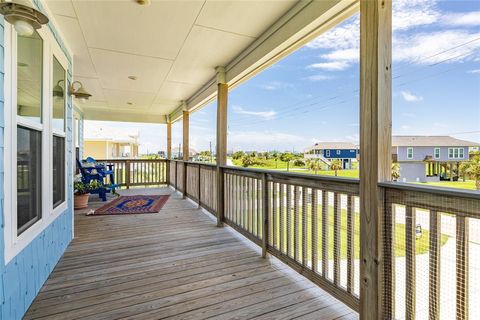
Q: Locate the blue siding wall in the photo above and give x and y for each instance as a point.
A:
(23, 276)
(344, 154)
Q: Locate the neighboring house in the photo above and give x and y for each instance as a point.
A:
(327, 151)
(429, 158)
(177, 153)
(102, 143)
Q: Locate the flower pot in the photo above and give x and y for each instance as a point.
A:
(80, 201)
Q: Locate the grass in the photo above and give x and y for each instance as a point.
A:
(469, 184)
(421, 243)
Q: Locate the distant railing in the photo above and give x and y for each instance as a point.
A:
(138, 172)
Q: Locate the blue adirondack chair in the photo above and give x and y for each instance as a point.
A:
(95, 171)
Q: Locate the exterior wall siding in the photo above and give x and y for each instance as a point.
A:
(412, 172)
(24, 275)
(344, 154)
(419, 154)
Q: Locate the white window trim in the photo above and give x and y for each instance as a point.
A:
(435, 153)
(14, 243)
(408, 153)
(328, 153)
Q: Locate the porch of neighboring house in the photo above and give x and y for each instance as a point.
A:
(173, 265)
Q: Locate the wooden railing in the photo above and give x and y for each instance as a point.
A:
(138, 172)
(284, 214)
(430, 271)
(424, 229)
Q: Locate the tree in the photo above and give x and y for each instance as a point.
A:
(336, 165)
(238, 155)
(314, 165)
(287, 157)
(471, 168)
(299, 163)
(395, 171)
(248, 160)
(275, 155)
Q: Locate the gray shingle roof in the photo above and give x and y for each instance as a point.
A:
(333, 145)
(431, 141)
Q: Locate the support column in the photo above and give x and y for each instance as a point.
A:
(221, 151)
(186, 149)
(169, 150)
(376, 287)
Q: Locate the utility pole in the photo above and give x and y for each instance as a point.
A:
(179, 148)
(211, 154)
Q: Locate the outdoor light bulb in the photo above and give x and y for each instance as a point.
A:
(82, 100)
(23, 28)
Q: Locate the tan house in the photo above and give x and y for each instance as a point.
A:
(102, 143)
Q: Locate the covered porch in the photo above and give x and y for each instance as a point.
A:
(173, 265)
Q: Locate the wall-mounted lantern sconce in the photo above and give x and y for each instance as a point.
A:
(24, 18)
(81, 94)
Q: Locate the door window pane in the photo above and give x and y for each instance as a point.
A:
(29, 177)
(58, 170)
(58, 85)
(29, 77)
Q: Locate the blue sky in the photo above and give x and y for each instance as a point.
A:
(312, 94)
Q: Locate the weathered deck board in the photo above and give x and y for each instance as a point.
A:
(177, 265)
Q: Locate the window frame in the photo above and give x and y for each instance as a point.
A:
(409, 153)
(327, 153)
(435, 153)
(14, 242)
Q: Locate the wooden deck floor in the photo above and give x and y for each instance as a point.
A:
(173, 265)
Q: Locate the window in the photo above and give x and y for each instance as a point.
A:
(328, 153)
(409, 153)
(456, 153)
(436, 153)
(339, 152)
(29, 130)
(58, 136)
(29, 178)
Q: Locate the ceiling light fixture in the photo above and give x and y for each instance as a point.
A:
(130, 103)
(57, 91)
(81, 94)
(143, 2)
(24, 18)
(132, 77)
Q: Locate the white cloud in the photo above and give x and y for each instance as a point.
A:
(275, 85)
(408, 14)
(319, 77)
(408, 115)
(405, 127)
(409, 97)
(267, 115)
(462, 19)
(474, 71)
(333, 65)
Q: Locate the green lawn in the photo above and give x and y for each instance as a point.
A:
(469, 184)
(422, 242)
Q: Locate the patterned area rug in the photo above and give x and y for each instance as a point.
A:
(133, 205)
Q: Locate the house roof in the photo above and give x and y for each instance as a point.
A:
(333, 145)
(431, 141)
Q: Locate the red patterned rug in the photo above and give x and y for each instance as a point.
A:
(133, 205)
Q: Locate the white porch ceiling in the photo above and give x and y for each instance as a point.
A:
(172, 47)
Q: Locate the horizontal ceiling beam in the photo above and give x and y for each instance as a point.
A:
(103, 115)
(302, 23)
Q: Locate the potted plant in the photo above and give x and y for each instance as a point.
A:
(82, 192)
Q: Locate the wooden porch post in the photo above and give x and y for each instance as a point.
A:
(221, 152)
(376, 301)
(169, 150)
(186, 149)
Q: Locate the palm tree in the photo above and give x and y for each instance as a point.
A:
(472, 169)
(336, 165)
(287, 157)
(314, 165)
(395, 171)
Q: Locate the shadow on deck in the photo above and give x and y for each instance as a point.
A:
(173, 265)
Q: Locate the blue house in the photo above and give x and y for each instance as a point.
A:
(429, 158)
(327, 151)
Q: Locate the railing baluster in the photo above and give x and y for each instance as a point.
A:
(258, 213)
(410, 263)
(281, 217)
(304, 226)
(296, 218)
(336, 237)
(289, 220)
(274, 214)
(434, 268)
(314, 224)
(265, 215)
(462, 267)
(350, 244)
(325, 233)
